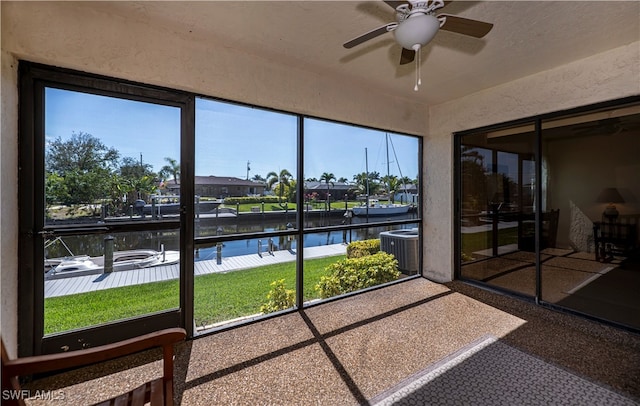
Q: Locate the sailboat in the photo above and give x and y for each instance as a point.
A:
(373, 207)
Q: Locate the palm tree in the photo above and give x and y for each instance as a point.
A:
(393, 185)
(281, 180)
(173, 169)
(361, 180)
(328, 178)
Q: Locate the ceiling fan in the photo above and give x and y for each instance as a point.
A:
(417, 25)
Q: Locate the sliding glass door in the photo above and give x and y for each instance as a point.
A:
(562, 228)
(497, 217)
(104, 157)
(591, 176)
(105, 252)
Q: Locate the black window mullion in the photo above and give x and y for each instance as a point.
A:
(300, 216)
(187, 214)
(457, 211)
(538, 207)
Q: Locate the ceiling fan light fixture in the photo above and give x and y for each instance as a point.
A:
(418, 29)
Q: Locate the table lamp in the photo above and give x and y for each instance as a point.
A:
(610, 196)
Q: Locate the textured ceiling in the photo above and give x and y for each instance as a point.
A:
(527, 37)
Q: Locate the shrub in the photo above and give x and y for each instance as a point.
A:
(278, 298)
(358, 249)
(353, 274)
(250, 200)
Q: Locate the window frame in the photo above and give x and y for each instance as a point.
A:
(33, 79)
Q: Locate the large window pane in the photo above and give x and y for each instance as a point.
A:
(105, 161)
(590, 184)
(245, 184)
(245, 169)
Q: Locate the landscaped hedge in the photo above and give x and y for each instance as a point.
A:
(251, 200)
(353, 274)
(358, 249)
(278, 298)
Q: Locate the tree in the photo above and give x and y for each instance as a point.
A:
(393, 185)
(343, 180)
(328, 178)
(405, 180)
(291, 190)
(172, 169)
(138, 179)
(258, 178)
(278, 181)
(78, 169)
(82, 152)
(360, 180)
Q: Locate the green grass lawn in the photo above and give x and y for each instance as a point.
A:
(246, 207)
(472, 242)
(218, 297)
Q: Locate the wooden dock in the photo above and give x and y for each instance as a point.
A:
(89, 283)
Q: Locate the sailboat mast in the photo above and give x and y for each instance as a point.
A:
(386, 138)
(366, 168)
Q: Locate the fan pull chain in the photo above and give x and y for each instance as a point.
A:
(416, 48)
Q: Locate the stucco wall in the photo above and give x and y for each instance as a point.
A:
(606, 76)
(79, 37)
(9, 201)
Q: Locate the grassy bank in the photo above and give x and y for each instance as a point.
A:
(218, 297)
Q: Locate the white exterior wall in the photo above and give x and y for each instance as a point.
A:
(8, 201)
(607, 76)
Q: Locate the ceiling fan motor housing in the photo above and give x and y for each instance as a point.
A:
(418, 29)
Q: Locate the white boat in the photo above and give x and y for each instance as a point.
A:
(80, 265)
(375, 208)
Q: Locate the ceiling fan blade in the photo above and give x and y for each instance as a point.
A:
(407, 56)
(394, 4)
(465, 26)
(369, 35)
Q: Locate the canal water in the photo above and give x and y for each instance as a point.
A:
(93, 245)
(252, 246)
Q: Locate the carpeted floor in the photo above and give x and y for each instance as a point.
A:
(355, 350)
(487, 367)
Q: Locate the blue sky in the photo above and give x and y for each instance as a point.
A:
(227, 136)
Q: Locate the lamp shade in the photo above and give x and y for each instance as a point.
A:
(416, 30)
(610, 195)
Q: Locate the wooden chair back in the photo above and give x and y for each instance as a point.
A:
(157, 392)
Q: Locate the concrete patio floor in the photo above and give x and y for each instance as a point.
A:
(350, 351)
